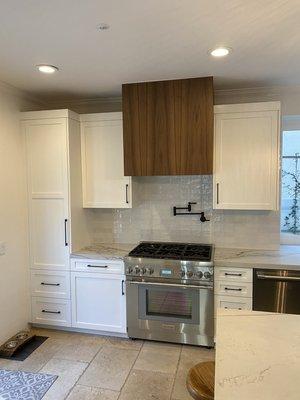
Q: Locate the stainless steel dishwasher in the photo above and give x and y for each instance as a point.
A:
(276, 291)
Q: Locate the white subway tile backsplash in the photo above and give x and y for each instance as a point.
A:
(151, 217)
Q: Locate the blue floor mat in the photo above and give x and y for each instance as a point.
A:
(19, 385)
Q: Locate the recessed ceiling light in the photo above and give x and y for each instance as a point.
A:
(220, 51)
(103, 26)
(47, 69)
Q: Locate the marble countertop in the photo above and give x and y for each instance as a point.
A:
(285, 257)
(257, 356)
(104, 251)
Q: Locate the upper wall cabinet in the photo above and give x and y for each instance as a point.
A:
(168, 127)
(246, 156)
(103, 180)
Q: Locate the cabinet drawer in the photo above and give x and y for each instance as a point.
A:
(100, 266)
(50, 284)
(231, 274)
(233, 303)
(239, 289)
(50, 311)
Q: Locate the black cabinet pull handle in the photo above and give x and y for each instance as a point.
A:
(234, 289)
(127, 201)
(66, 241)
(97, 266)
(232, 274)
(123, 293)
(51, 312)
(217, 193)
(50, 284)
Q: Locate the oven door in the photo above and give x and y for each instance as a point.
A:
(170, 312)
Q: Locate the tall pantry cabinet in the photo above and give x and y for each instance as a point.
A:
(56, 219)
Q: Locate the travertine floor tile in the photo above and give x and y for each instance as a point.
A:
(52, 333)
(80, 348)
(158, 357)
(147, 385)
(68, 373)
(80, 392)
(125, 343)
(190, 355)
(110, 368)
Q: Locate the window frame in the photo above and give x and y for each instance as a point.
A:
(289, 123)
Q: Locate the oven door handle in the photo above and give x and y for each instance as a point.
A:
(171, 285)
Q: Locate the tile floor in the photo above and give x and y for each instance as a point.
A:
(91, 367)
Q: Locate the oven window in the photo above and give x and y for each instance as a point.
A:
(169, 303)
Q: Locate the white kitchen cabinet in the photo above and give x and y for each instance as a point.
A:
(104, 183)
(57, 221)
(46, 311)
(233, 287)
(246, 156)
(98, 301)
(54, 284)
(54, 187)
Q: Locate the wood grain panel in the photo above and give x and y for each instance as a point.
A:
(168, 127)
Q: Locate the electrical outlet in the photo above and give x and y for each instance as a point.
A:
(2, 248)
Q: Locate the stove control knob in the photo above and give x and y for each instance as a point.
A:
(129, 270)
(190, 274)
(199, 274)
(143, 270)
(149, 270)
(182, 274)
(207, 275)
(137, 270)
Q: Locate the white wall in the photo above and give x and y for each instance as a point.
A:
(14, 290)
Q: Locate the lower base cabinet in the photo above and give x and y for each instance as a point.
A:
(98, 301)
(48, 311)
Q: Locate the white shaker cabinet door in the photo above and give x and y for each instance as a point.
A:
(47, 173)
(246, 156)
(98, 301)
(104, 183)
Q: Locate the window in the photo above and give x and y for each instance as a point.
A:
(290, 187)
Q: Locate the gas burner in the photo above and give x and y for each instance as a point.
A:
(173, 251)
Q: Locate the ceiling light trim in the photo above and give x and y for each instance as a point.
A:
(47, 68)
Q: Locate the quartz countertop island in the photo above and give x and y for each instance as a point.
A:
(257, 356)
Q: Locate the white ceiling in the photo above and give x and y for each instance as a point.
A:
(148, 40)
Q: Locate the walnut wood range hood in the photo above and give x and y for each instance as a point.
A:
(168, 127)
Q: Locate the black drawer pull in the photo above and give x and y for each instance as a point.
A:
(66, 240)
(123, 292)
(126, 192)
(51, 312)
(232, 274)
(97, 266)
(50, 284)
(234, 289)
(232, 308)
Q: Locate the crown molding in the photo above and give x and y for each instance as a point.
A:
(25, 99)
(260, 90)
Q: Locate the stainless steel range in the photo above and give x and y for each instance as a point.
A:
(170, 292)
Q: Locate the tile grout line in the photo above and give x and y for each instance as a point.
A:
(133, 364)
(177, 366)
(88, 364)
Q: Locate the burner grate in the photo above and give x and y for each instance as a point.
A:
(173, 251)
